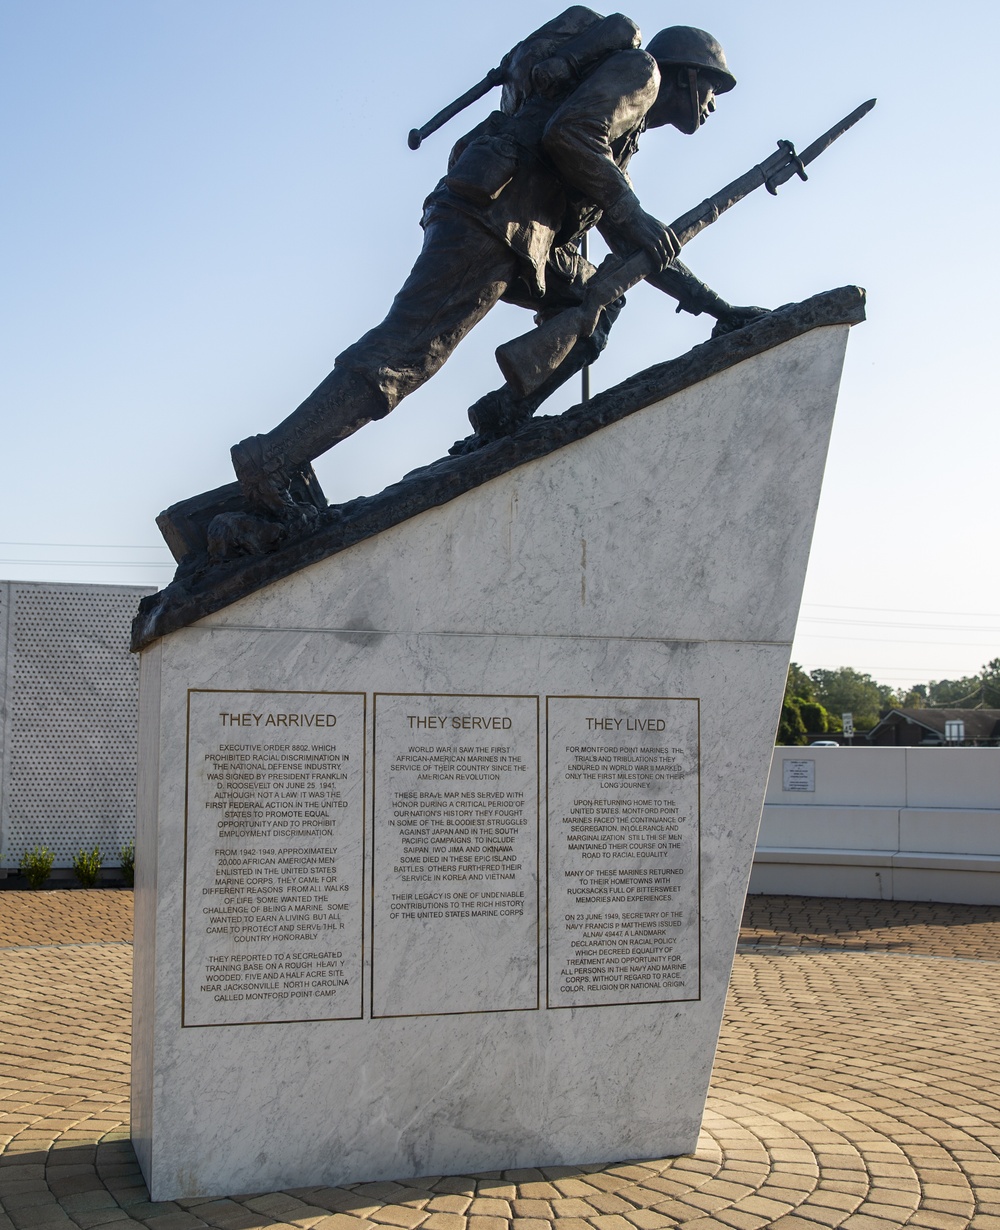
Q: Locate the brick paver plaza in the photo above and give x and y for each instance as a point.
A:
(856, 1085)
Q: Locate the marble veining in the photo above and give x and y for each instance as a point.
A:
(661, 559)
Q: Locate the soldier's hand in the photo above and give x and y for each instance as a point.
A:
(643, 233)
(733, 318)
(658, 241)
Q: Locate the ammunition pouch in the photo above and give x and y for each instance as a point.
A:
(486, 165)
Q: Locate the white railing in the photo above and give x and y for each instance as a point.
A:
(905, 824)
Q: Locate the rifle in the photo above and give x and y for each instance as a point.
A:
(528, 361)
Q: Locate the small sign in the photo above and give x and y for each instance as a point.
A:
(798, 775)
(848, 720)
(954, 732)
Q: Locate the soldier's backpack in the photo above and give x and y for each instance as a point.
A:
(542, 68)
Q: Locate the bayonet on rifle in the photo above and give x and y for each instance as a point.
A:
(528, 361)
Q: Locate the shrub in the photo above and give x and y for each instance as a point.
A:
(36, 865)
(128, 863)
(791, 729)
(814, 716)
(86, 867)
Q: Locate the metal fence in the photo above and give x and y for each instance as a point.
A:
(69, 691)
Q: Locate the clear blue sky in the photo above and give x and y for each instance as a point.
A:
(204, 202)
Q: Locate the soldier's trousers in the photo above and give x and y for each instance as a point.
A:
(461, 272)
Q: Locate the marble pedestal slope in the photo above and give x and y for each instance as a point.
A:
(446, 816)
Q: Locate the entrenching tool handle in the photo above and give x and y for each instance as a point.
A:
(417, 135)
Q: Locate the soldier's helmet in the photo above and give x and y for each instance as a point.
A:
(689, 47)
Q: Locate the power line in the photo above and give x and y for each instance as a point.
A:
(919, 674)
(882, 640)
(884, 667)
(889, 669)
(900, 610)
(888, 623)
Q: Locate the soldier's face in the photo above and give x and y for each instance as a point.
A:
(701, 103)
(686, 109)
(706, 100)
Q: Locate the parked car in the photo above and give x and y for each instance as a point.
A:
(825, 743)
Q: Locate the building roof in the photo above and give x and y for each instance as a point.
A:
(979, 723)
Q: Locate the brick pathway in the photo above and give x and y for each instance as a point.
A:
(65, 916)
(856, 1088)
(928, 927)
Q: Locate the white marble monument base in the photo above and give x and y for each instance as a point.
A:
(443, 840)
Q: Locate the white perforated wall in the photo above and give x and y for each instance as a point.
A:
(69, 719)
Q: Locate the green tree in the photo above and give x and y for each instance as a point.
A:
(953, 693)
(991, 684)
(799, 684)
(980, 691)
(802, 716)
(915, 698)
(846, 690)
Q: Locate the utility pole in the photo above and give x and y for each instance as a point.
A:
(585, 373)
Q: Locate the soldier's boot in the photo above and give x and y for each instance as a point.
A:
(266, 464)
(500, 413)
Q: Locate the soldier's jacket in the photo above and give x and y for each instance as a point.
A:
(540, 172)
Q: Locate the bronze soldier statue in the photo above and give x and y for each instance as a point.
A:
(505, 223)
